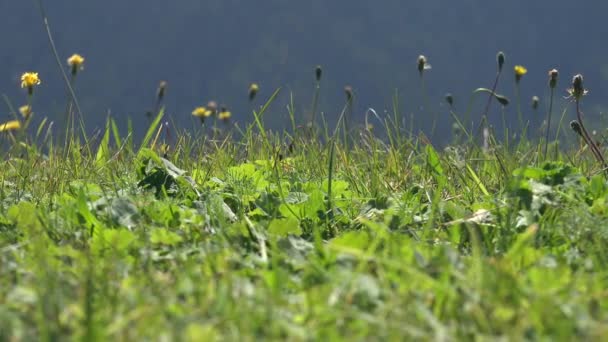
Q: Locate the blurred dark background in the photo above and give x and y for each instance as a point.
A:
(213, 50)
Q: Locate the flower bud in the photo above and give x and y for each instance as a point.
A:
(576, 127)
(449, 99)
(318, 73)
(348, 90)
(500, 59)
(553, 75)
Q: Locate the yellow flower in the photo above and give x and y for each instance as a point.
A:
(520, 70)
(224, 115)
(253, 90)
(202, 112)
(29, 80)
(76, 61)
(26, 111)
(10, 126)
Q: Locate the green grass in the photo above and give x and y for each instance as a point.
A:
(241, 239)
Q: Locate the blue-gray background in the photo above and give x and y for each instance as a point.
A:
(213, 49)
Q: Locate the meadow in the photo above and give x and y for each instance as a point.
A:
(364, 230)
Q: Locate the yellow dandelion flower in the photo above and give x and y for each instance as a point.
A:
(10, 126)
(253, 90)
(199, 112)
(224, 115)
(26, 111)
(29, 80)
(76, 61)
(519, 72)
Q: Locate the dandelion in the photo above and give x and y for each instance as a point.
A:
(26, 111)
(520, 71)
(535, 101)
(202, 112)
(577, 91)
(423, 64)
(224, 115)
(212, 106)
(29, 80)
(553, 75)
(253, 91)
(75, 62)
(10, 126)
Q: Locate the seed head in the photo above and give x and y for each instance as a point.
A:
(535, 101)
(577, 91)
(553, 75)
(423, 64)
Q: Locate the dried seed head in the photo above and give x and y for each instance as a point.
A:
(422, 64)
(212, 106)
(535, 101)
(553, 75)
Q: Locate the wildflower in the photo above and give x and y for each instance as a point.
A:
(253, 91)
(26, 111)
(202, 112)
(535, 101)
(212, 106)
(519, 72)
(577, 91)
(318, 73)
(224, 115)
(500, 59)
(29, 80)
(75, 62)
(10, 126)
(553, 74)
(348, 90)
(423, 64)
